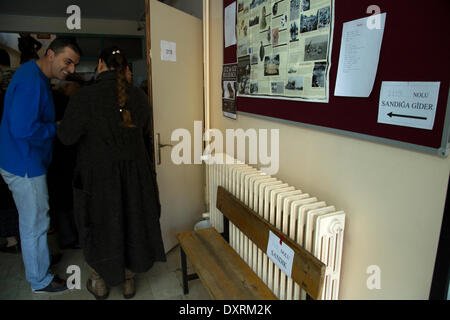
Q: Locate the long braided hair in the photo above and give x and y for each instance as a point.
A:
(115, 59)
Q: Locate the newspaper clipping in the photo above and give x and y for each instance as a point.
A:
(229, 88)
(283, 48)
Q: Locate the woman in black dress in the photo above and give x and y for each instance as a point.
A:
(116, 200)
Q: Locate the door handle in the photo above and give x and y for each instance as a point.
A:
(158, 148)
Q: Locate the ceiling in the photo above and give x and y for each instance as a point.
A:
(94, 9)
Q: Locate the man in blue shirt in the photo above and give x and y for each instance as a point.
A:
(27, 131)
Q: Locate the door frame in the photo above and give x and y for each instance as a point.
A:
(440, 285)
(148, 55)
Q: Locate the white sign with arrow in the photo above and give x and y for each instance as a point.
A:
(408, 104)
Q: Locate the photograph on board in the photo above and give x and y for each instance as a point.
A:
(318, 79)
(244, 75)
(295, 83)
(324, 17)
(306, 5)
(229, 89)
(253, 87)
(316, 48)
(263, 24)
(272, 65)
(293, 30)
(308, 23)
(294, 10)
(277, 88)
(275, 36)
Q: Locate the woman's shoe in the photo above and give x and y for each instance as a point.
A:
(98, 289)
(129, 288)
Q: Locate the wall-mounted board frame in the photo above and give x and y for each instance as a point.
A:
(415, 48)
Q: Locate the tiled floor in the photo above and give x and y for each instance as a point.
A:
(161, 282)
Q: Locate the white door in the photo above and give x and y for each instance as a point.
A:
(177, 103)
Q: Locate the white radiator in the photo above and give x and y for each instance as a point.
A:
(313, 224)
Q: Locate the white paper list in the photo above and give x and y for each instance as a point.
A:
(359, 56)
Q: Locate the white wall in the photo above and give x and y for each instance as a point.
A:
(394, 198)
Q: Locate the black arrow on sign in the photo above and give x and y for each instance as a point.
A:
(405, 116)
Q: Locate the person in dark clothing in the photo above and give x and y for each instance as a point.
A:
(28, 47)
(60, 172)
(9, 218)
(5, 61)
(116, 199)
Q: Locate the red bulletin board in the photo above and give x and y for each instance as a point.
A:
(415, 48)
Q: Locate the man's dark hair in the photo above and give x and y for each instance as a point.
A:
(59, 44)
(4, 58)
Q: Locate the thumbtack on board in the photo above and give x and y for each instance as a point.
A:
(281, 239)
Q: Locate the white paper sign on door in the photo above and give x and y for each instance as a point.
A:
(281, 254)
(168, 51)
(408, 104)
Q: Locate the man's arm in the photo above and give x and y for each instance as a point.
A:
(24, 115)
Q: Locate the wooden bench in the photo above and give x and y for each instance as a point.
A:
(224, 274)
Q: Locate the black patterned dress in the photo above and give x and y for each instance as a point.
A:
(116, 200)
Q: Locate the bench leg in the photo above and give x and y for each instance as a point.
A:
(184, 271)
(226, 229)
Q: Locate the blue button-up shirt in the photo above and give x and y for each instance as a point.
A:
(28, 124)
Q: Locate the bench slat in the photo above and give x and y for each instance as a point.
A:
(307, 270)
(225, 275)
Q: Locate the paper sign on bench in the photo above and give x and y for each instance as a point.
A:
(281, 254)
